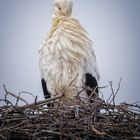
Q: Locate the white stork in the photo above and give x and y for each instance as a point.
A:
(67, 52)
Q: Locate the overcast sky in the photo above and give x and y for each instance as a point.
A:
(113, 25)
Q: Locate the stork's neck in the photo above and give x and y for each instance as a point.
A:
(60, 18)
(72, 28)
(59, 15)
(56, 23)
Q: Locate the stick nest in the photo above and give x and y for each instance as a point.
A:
(72, 120)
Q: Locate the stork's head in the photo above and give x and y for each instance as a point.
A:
(62, 7)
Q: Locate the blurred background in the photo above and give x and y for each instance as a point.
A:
(113, 25)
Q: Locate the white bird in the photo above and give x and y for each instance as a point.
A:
(66, 53)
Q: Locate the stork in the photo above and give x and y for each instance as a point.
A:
(66, 53)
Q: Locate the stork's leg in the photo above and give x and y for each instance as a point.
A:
(45, 90)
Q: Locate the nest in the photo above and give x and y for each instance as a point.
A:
(72, 120)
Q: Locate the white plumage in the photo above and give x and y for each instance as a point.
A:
(66, 52)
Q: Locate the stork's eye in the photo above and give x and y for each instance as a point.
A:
(59, 8)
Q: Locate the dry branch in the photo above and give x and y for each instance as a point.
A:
(12, 94)
(73, 120)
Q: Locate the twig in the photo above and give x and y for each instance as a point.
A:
(70, 84)
(97, 131)
(8, 102)
(114, 93)
(23, 92)
(66, 89)
(12, 94)
(75, 120)
(12, 127)
(41, 103)
(3, 138)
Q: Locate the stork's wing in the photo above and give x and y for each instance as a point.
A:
(91, 65)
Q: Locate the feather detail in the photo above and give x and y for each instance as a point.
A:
(67, 51)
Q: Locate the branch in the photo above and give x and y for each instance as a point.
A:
(40, 103)
(15, 96)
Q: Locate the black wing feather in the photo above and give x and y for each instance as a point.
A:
(91, 82)
(45, 90)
